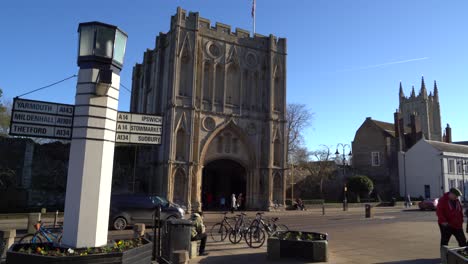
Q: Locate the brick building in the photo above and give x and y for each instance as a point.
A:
(376, 144)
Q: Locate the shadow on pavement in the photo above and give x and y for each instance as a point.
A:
(414, 261)
(416, 210)
(257, 258)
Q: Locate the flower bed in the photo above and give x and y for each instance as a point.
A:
(308, 246)
(121, 251)
(457, 256)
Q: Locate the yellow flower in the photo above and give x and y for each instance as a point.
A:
(120, 242)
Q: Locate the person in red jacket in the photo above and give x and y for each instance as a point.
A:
(450, 217)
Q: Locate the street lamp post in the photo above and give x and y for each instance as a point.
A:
(345, 188)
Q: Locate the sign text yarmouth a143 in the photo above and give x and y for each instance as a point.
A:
(32, 118)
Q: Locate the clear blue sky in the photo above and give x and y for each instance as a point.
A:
(333, 47)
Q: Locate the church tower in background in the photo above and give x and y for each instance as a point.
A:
(426, 108)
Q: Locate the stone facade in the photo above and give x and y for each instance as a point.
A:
(223, 98)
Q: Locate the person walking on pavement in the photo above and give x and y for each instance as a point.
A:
(408, 202)
(233, 203)
(450, 218)
(222, 202)
(198, 232)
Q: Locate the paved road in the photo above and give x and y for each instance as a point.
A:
(391, 236)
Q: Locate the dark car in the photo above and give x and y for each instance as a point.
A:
(128, 209)
(428, 204)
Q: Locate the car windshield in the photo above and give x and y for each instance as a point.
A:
(159, 201)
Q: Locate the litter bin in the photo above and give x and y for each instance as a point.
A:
(177, 237)
(368, 210)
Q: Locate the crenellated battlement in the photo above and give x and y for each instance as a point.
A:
(193, 21)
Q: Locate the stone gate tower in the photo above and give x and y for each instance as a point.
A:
(223, 98)
(427, 109)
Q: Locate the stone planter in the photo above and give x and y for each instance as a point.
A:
(139, 255)
(454, 256)
(280, 247)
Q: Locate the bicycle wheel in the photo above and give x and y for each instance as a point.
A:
(280, 228)
(30, 239)
(219, 232)
(255, 237)
(235, 236)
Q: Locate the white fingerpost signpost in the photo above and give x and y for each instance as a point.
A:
(87, 203)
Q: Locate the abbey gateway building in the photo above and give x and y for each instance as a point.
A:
(223, 98)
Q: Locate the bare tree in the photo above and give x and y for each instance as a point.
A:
(321, 166)
(5, 115)
(299, 117)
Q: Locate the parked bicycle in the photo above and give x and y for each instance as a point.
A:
(43, 234)
(221, 230)
(240, 229)
(259, 230)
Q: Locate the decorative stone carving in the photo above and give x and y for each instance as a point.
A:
(209, 124)
(213, 49)
(251, 59)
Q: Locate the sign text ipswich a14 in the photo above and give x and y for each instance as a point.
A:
(41, 119)
(138, 128)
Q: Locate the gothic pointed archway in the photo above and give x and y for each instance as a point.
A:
(228, 166)
(222, 178)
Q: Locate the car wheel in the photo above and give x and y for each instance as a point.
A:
(120, 223)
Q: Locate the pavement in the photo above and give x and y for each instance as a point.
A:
(392, 235)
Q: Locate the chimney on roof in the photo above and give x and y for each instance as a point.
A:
(415, 128)
(448, 134)
(396, 125)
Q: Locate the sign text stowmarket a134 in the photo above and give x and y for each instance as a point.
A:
(138, 128)
(41, 119)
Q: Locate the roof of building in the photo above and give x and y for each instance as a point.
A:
(449, 147)
(388, 127)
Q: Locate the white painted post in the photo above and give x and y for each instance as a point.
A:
(91, 162)
(87, 203)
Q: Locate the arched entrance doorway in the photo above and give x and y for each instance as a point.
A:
(222, 178)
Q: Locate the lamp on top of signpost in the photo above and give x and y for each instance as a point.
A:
(103, 46)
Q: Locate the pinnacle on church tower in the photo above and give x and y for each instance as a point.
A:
(423, 91)
(402, 94)
(436, 91)
(413, 93)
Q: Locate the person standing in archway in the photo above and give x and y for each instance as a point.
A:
(233, 203)
(240, 202)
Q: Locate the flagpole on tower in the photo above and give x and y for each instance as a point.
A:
(254, 5)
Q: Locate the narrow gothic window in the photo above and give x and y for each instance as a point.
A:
(179, 187)
(277, 93)
(235, 147)
(220, 144)
(180, 145)
(207, 82)
(233, 85)
(277, 190)
(227, 147)
(185, 75)
(277, 153)
(219, 94)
